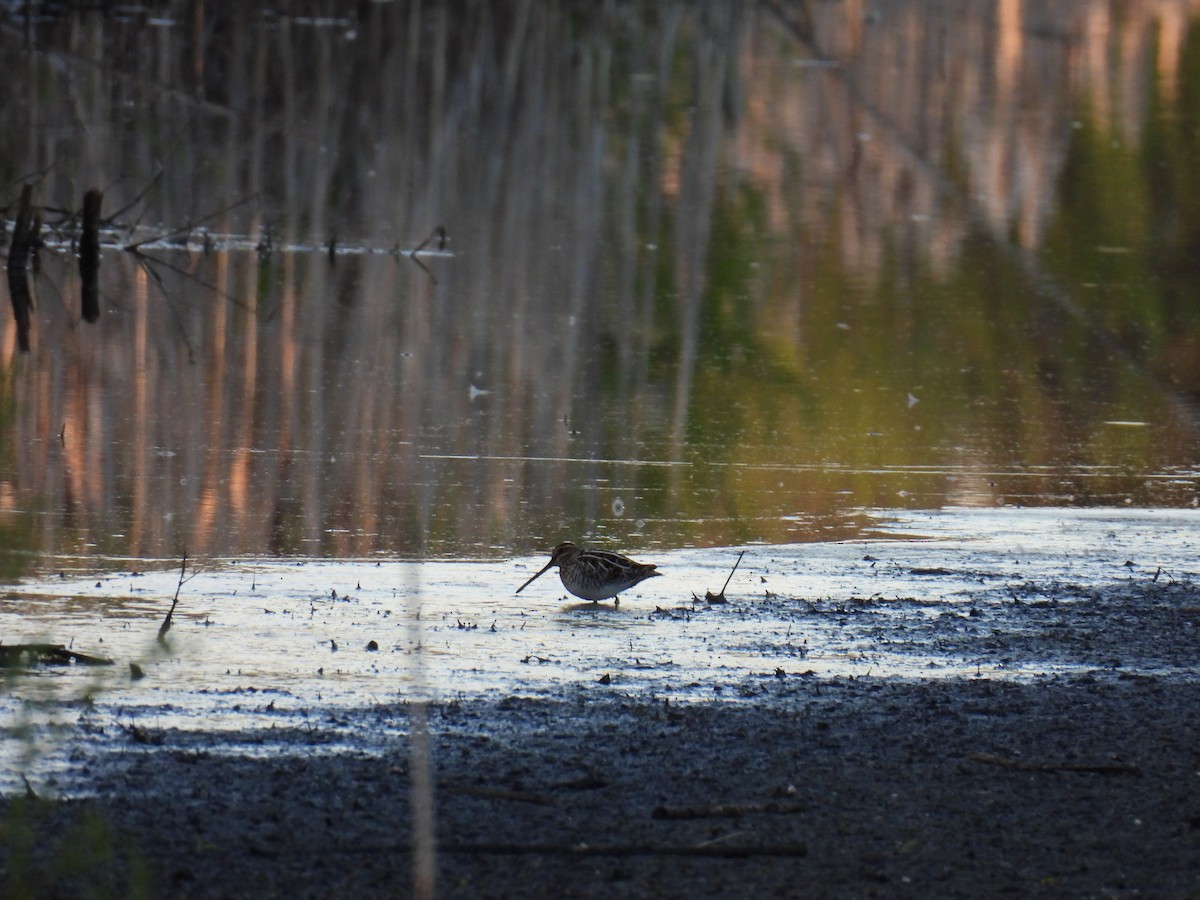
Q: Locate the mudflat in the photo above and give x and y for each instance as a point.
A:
(1082, 785)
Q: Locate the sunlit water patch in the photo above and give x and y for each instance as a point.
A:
(278, 645)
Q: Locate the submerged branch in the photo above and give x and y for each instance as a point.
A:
(136, 200)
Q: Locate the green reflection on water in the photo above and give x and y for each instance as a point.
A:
(18, 533)
(702, 294)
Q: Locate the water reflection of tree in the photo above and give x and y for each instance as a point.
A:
(680, 235)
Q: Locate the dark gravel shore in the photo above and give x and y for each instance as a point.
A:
(1066, 787)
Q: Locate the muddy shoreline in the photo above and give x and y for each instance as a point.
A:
(1079, 787)
(1015, 713)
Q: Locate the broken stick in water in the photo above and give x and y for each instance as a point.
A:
(710, 597)
(166, 625)
(442, 238)
(29, 655)
(440, 234)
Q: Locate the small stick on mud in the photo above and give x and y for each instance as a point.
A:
(710, 597)
(1005, 762)
(727, 810)
(1162, 573)
(89, 255)
(166, 625)
(730, 851)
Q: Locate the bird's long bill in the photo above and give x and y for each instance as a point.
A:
(544, 568)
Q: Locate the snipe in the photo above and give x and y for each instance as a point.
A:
(595, 574)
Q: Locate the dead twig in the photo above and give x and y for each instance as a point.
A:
(1021, 765)
(190, 226)
(37, 175)
(144, 258)
(727, 810)
(136, 200)
(728, 851)
(710, 597)
(166, 625)
(144, 261)
(440, 234)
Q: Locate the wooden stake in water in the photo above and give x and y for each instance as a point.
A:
(18, 268)
(89, 255)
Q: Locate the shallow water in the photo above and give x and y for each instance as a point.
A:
(1008, 594)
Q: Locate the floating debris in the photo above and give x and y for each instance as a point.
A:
(13, 656)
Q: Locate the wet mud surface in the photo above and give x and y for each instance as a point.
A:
(1005, 717)
(1080, 786)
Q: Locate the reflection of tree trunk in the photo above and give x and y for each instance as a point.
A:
(697, 196)
(143, 422)
(638, 212)
(205, 522)
(18, 268)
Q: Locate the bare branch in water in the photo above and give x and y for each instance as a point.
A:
(190, 226)
(440, 234)
(710, 597)
(166, 625)
(144, 262)
(136, 200)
